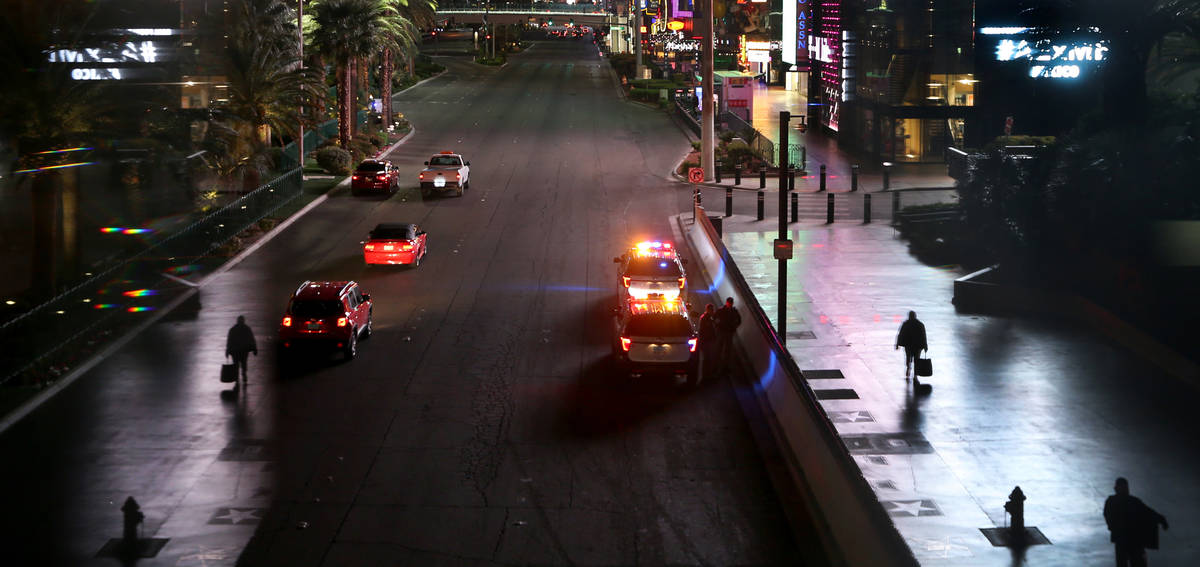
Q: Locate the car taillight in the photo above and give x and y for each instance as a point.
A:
(692, 345)
(421, 176)
(682, 281)
(381, 174)
(369, 247)
(625, 342)
(457, 176)
(406, 246)
(625, 280)
(342, 321)
(287, 321)
(353, 177)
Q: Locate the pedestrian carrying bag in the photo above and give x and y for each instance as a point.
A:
(924, 367)
(228, 373)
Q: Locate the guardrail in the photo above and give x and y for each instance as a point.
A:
(852, 526)
(95, 307)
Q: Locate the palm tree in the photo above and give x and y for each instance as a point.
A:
(1134, 30)
(345, 32)
(416, 14)
(267, 87)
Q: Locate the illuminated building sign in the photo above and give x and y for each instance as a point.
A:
(759, 51)
(803, 30)
(827, 45)
(116, 61)
(1050, 55)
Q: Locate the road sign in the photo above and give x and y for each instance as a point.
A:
(695, 175)
(783, 249)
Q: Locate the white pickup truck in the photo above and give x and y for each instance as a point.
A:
(445, 171)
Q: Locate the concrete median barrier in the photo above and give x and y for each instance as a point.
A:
(851, 524)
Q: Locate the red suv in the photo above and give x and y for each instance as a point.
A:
(374, 175)
(334, 314)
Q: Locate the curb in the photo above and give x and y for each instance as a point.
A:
(23, 410)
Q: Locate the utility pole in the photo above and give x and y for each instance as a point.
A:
(707, 112)
(300, 33)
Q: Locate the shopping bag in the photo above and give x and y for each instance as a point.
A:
(228, 373)
(924, 367)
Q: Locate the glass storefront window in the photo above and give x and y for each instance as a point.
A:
(951, 90)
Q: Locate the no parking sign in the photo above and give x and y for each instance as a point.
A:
(695, 175)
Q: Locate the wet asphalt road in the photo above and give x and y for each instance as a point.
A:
(479, 425)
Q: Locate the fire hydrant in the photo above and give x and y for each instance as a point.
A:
(133, 517)
(1016, 508)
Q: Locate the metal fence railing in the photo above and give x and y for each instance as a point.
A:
(761, 144)
(87, 314)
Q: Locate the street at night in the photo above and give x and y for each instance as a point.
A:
(375, 283)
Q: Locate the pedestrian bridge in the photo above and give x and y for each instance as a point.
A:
(469, 11)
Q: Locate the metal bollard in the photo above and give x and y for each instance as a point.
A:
(762, 178)
(829, 208)
(895, 206)
(791, 179)
(887, 176)
(822, 189)
(853, 178)
(795, 207)
(717, 171)
(737, 175)
(866, 208)
(729, 201)
(803, 157)
(761, 202)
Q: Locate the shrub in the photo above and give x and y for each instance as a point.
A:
(685, 166)
(334, 160)
(696, 146)
(645, 95)
(623, 64)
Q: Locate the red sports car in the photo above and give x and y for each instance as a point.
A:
(395, 243)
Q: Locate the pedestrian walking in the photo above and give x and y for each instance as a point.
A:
(728, 320)
(708, 337)
(912, 338)
(1133, 525)
(240, 343)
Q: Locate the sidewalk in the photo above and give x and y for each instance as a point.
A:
(1045, 405)
(823, 150)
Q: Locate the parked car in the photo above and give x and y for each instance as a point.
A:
(651, 269)
(656, 336)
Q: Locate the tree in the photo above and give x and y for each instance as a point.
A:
(1134, 30)
(346, 31)
(267, 87)
(416, 14)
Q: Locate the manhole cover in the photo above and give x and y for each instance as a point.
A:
(836, 394)
(802, 335)
(822, 374)
(141, 549)
(1002, 537)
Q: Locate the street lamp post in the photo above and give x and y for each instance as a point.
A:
(707, 113)
(783, 246)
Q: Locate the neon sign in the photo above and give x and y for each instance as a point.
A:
(1049, 58)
